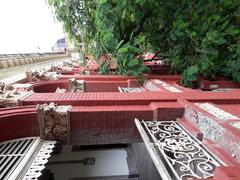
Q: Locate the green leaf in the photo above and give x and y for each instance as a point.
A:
(227, 3)
(192, 70)
(123, 50)
(173, 37)
(232, 32)
(119, 44)
(134, 49)
(102, 1)
(225, 24)
(133, 62)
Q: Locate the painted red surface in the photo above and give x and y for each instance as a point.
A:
(231, 108)
(231, 97)
(100, 117)
(227, 173)
(115, 124)
(49, 86)
(159, 69)
(18, 122)
(96, 99)
(90, 86)
(221, 83)
(167, 78)
(214, 129)
(104, 86)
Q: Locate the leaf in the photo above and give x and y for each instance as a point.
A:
(227, 3)
(172, 36)
(192, 70)
(133, 62)
(182, 25)
(178, 33)
(119, 44)
(123, 50)
(225, 24)
(232, 32)
(134, 49)
(102, 1)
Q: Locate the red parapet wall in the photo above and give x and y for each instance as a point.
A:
(18, 123)
(108, 117)
(104, 86)
(232, 108)
(97, 83)
(115, 124)
(167, 78)
(231, 97)
(89, 86)
(214, 128)
(90, 124)
(49, 86)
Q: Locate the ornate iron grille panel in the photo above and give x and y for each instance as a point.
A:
(133, 90)
(182, 155)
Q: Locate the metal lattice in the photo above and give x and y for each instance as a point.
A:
(133, 89)
(167, 86)
(16, 154)
(176, 153)
(40, 160)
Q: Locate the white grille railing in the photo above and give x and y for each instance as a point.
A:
(175, 152)
(132, 89)
(15, 156)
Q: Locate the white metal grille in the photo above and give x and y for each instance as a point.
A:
(16, 154)
(167, 86)
(40, 160)
(132, 90)
(175, 152)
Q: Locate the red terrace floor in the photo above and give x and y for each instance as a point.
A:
(108, 117)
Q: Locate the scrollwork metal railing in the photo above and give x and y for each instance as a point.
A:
(182, 154)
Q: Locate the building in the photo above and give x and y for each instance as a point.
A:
(60, 45)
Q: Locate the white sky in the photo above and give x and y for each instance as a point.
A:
(27, 24)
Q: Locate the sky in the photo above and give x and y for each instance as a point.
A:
(27, 26)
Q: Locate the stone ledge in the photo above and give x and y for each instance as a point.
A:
(16, 61)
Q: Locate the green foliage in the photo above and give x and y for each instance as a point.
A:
(128, 64)
(189, 76)
(104, 68)
(192, 33)
(204, 34)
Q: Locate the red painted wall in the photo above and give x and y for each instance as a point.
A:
(18, 123)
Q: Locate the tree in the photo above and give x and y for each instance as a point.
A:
(194, 33)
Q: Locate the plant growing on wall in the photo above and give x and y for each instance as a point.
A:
(205, 35)
(195, 34)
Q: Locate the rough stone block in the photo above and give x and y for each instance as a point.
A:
(54, 122)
